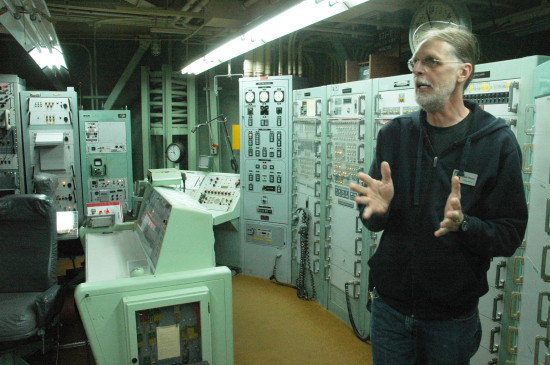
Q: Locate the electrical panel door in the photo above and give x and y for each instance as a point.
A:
(266, 110)
(308, 176)
(106, 156)
(348, 146)
(505, 89)
(533, 332)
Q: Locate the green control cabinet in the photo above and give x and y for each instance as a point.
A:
(106, 156)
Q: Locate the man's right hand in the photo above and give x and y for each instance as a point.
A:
(377, 195)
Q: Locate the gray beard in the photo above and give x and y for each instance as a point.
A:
(430, 103)
(436, 101)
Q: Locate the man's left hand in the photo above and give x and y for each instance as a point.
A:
(453, 211)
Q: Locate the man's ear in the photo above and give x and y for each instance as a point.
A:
(464, 72)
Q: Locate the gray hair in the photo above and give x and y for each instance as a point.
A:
(464, 43)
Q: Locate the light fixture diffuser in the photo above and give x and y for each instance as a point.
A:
(302, 15)
(45, 57)
(28, 22)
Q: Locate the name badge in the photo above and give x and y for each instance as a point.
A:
(468, 178)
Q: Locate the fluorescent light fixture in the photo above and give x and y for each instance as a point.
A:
(28, 22)
(297, 17)
(45, 57)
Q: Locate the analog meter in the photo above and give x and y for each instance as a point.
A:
(264, 96)
(175, 152)
(278, 96)
(249, 96)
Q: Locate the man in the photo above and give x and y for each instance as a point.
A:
(446, 187)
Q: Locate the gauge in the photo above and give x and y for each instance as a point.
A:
(249, 96)
(437, 14)
(264, 96)
(175, 152)
(278, 96)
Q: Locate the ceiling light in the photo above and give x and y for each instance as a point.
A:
(28, 22)
(297, 17)
(51, 58)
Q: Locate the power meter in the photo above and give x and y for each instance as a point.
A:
(264, 96)
(249, 96)
(279, 96)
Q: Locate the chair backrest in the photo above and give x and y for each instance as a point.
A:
(28, 243)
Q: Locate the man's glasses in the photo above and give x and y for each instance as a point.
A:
(429, 62)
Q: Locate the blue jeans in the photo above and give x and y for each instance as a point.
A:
(402, 340)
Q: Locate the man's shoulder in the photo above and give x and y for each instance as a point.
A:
(403, 121)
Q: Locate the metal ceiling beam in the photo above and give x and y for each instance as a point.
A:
(126, 11)
(337, 31)
(183, 31)
(140, 3)
(143, 46)
(530, 15)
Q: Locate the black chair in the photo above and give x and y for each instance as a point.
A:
(30, 298)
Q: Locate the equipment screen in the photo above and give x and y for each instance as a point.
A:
(152, 222)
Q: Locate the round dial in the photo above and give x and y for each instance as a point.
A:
(264, 96)
(175, 152)
(278, 96)
(437, 14)
(249, 96)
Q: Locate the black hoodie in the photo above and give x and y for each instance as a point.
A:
(440, 278)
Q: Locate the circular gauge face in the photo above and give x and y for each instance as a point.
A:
(264, 96)
(249, 96)
(175, 152)
(278, 96)
(437, 14)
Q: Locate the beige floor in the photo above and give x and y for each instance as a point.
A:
(272, 326)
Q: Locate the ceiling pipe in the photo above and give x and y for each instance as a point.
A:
(280, 60)
(186, 7)
(267, 59)
(249, 3)
(259, 62)
(248, 65)
(197, 8)
(290, 55)
(301, 43)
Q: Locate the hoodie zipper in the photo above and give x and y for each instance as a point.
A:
(434, 164)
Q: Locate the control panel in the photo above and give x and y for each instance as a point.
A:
(498, 98)
(308, 158)
(106, 137)
(156, 326)
(396, 97)
(346, 130)
(266, 144)
(52, 144)
(349, 145)
(265, 154)
(106, 156)
(219, 192)
(153, 223)
(265, 105)
(11, 146)
(49, 111)
(49, 157)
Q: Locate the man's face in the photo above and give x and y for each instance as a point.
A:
(435, 81)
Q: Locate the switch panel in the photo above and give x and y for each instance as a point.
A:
(52, 145)
(106, 156)
(12, 171)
